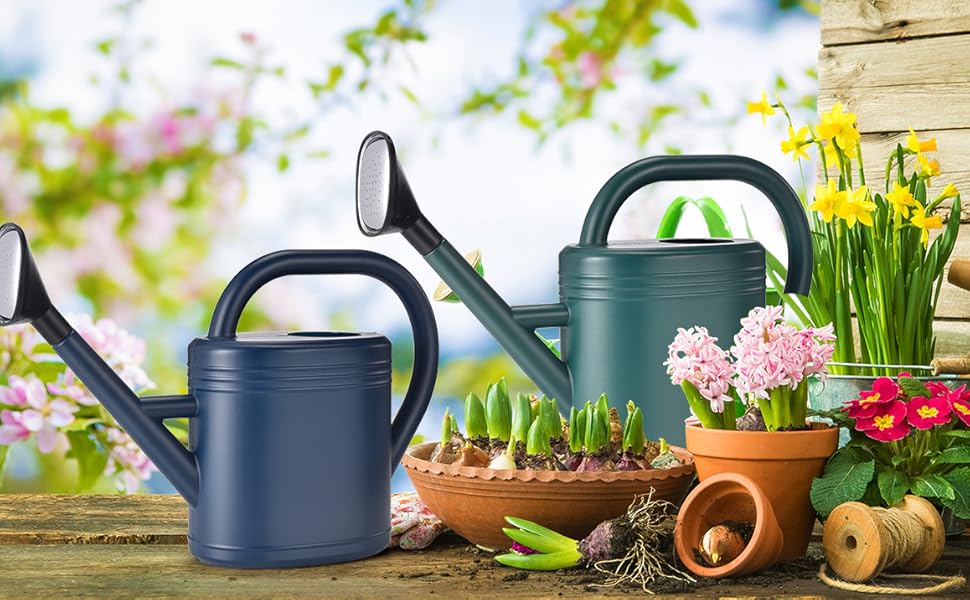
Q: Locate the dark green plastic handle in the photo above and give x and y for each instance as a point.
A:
(636, 175)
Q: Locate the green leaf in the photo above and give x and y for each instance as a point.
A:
(91, 460)
(528, 121)
(845, 480)
(954, 455)
(958, 433)
(3, 460)
(106, 45)
(913, 387)
(282, 162)
(959, 480)
(933, 486)
(409, 94)
(228, 63)
(893, 485)
(682, 11)
(539, 543)
(81, 424)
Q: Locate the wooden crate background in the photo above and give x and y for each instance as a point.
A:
(901, 64)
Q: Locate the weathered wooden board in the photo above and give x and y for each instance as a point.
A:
(937, 60)
(111, 547)
(921, 106)
(85, 519)
(855, 21)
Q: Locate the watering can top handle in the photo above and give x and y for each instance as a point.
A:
(247, 282)
(685, 167)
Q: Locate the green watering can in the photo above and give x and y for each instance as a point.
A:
(620, 303)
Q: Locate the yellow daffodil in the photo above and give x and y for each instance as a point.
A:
(925, 223)
(840, 126)
(950, 191)
(916, 146)
(796, 143)
(856, 207)
(762, 107)
(927, 167)
(901, 199)
(828, 200)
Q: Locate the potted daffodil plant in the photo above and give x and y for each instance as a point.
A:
(880, 246)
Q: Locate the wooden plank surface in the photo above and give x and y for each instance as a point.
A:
(111, 547)
(856, 21)
(896, 63)
(922, 83)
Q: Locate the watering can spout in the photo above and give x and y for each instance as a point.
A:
(24, 299)
(386, 204)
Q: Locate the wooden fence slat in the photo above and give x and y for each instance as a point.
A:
(923, 61)
(856, 21)
(893, 109)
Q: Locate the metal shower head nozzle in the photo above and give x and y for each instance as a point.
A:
(23, 298)
(385, 202)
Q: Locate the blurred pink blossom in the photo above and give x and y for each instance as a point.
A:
(128, 463)
(43, 415)
(590, 69)
(12, 428)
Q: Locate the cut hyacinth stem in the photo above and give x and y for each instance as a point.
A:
(701, 407)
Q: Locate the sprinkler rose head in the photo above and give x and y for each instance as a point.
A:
(385, 202)
(23, 298)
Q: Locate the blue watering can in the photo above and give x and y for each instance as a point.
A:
(291, 445)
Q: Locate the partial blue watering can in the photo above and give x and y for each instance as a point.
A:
(620, 303)
(291, 445)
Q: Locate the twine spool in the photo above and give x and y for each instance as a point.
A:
(861, 542)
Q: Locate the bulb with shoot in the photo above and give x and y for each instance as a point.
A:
(636, 547)
(447, 450)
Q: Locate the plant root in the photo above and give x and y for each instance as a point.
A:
(646, 559)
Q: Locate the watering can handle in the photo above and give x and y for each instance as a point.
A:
(649, 170)
(225, 318)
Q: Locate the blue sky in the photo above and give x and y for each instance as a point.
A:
(485, 184)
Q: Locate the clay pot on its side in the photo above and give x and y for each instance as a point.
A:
(728, 497)
(783, 464)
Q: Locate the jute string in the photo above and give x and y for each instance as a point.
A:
(905, 536)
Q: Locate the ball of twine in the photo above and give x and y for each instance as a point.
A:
(862, 543)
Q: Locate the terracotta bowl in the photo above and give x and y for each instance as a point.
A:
(474, 501)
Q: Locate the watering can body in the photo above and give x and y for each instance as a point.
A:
(291, 444)
(621, 303)
(626, 301)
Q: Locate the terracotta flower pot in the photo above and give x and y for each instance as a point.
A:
(783, 464)
(474, 501)
(728, 497)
